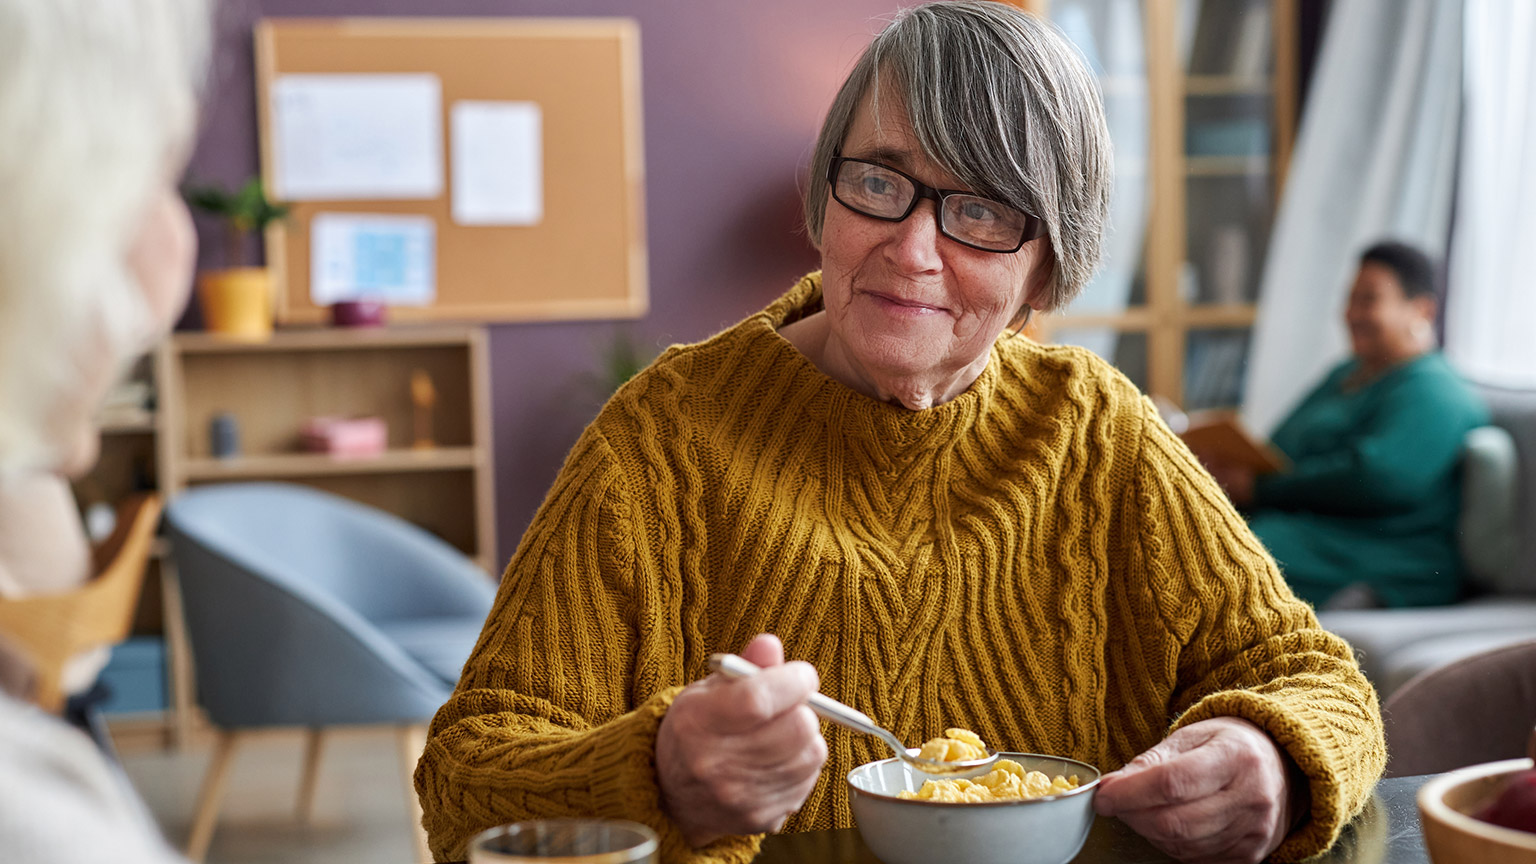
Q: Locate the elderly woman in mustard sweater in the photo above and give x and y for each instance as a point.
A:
(951, 524)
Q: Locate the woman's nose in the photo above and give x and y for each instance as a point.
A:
(914, 247)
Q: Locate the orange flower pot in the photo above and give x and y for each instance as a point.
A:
(237, 302)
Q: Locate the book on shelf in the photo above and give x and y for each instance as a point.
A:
(1230, 39)
(1250, 50)
(1213, 370)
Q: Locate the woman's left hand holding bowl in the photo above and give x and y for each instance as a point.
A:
(1214, 792)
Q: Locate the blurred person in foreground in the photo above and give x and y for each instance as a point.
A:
(97, 109)
(953, 525)
(1366, 514)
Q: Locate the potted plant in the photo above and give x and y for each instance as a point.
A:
(236, 299)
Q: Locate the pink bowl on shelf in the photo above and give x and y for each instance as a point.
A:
(357, 313)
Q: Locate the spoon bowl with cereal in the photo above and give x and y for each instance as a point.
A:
(960, 752)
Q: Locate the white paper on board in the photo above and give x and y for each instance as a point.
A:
(497, 163)
(345, 137)
(366, 256)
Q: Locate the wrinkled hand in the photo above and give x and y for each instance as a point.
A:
(1214, 792)
(737, 757)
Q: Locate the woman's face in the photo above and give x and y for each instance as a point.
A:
(1384, 326)
(903, 299)
(160, 260)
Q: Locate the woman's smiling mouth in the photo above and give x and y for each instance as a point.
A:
(900, 305)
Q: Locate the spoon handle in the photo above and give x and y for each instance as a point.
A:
(735, 666)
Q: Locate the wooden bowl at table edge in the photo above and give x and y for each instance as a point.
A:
(1451, 836)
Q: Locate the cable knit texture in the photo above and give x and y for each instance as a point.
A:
(1039, 560)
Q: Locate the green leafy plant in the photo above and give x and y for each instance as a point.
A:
(621, 361)
(244, 211)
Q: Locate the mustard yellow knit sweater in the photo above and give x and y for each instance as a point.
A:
(1039, 560)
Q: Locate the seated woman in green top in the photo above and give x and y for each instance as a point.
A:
(1366, 515)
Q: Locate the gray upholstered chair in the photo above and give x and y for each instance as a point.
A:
(305, 609)
(1498, 545)
(1477, 709)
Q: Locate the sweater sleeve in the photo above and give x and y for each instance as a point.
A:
(1401, 453)
(1247, 647)
(554, 715)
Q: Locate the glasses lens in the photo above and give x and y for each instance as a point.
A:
(983, 222)
(873, 189)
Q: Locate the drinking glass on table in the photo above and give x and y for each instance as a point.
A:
(577, 841)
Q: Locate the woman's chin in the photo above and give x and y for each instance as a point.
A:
(910, 339)
(77, 458)
(900, 360)
(1363, 343)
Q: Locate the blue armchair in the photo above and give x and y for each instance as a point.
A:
(307, 609)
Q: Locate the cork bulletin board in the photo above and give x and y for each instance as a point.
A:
(585, 257)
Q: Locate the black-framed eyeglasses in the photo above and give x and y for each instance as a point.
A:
(882, 192)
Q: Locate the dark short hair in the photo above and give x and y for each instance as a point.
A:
(1414, 270)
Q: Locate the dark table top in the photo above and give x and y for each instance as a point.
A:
(1386, 832)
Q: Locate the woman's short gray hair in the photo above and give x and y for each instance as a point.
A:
(1000, 99)
(97, 104)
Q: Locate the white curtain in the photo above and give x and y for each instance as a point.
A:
(1375, 158)
(1491, 308)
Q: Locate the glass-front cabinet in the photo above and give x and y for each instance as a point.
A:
(1201, 104)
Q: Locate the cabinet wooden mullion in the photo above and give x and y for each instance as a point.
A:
(1173, 325)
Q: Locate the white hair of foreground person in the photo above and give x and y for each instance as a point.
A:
(97, 103)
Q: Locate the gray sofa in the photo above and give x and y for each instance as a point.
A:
(1498, 544)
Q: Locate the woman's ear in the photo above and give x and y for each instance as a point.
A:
(1021, 318)
(1426, 306)
(1423, 328)
(1038, 284)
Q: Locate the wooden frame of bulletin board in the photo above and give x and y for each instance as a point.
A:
(586, 258)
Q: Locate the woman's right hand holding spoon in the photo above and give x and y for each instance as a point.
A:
(739, 756)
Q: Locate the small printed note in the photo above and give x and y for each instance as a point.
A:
(364, 256)
(497, 163)
(350, 137)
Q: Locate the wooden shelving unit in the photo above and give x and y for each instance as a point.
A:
(302, 465)
(1166, 319)
(1226, 85)
(270, 388)
(142, 425)
(1226, 166)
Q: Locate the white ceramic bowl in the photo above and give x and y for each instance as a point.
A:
(1047, 830)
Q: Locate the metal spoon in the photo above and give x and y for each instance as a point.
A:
(733, 666)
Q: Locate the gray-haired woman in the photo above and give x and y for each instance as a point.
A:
(954, 525)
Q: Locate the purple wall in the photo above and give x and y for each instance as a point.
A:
(734, 93)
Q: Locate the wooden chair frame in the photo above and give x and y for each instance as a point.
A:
(49, 629)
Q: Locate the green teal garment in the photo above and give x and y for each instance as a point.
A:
(1373, 491)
